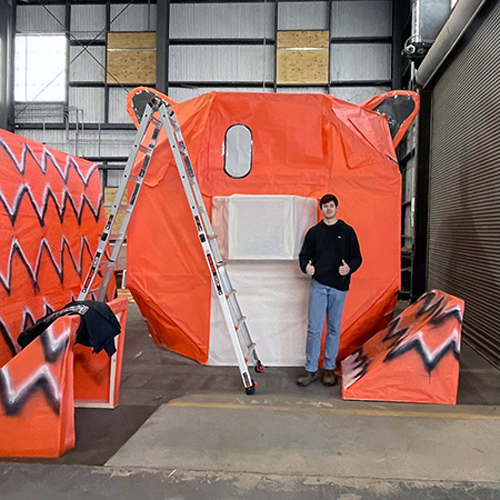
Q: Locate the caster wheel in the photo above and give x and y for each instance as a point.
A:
(251, 390)
(259, 367)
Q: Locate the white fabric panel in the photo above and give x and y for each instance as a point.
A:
(274, 296)
(266, 227)
(267, 232)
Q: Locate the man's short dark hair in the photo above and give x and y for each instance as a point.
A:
(327, 198)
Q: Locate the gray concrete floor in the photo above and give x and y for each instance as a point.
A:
(184, 431)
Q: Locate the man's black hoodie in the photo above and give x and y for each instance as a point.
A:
(326, 247)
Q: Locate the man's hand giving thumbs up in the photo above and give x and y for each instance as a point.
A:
(310, 270)
(344, 269)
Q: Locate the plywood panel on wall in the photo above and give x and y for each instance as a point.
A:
(295, 39)
(131, 58)
(302, 57)
(132, 40)
(109, 198)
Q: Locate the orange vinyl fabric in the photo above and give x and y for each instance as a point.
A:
(94, 382)
(39, 386)
(415, 359)
(36, 404)
(305, 145)
(51, 219)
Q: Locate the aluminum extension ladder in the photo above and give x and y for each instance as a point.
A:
(236, 322)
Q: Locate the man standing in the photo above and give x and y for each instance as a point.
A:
(330, 254)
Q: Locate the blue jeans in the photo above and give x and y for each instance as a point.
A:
(323, 300)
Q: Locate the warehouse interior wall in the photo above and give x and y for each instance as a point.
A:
(6, 62)
(200, 46)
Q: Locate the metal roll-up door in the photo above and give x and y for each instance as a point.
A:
(464, 189)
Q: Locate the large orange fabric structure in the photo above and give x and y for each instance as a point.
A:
(51, 219)
(414, 359)
(301, 146)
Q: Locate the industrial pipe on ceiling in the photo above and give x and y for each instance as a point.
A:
(460, 19)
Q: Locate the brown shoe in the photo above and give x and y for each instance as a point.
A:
(329, 378)
(308, 378)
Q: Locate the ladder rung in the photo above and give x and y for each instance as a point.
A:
(144, 149)
(121, 206)
(240, 321)
(231, 293)
(212, 236)
(132, 178)
(107, 263)
(251, 348)
(155, 121)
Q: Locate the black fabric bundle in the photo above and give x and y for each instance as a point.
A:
(97, 329)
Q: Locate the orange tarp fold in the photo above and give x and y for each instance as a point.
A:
(414, 359)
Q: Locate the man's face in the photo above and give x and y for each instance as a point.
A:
(329, 210)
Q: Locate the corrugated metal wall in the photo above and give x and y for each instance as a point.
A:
(221, 20)
(351, 61)
(224, 46)
(464, 198)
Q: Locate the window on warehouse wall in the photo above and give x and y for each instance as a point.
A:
(40, 68)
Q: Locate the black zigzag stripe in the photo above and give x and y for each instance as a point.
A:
(7, 339)
(442, 318)
(430, 304)
(360, 364)
(16, 406)
(47, 157)
(33, 271)
(28, 320)
(430, 363)
(52, 350)
(13, 212)
(394, 331)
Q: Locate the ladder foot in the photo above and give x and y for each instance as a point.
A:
(259, 367)
(251, 390)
